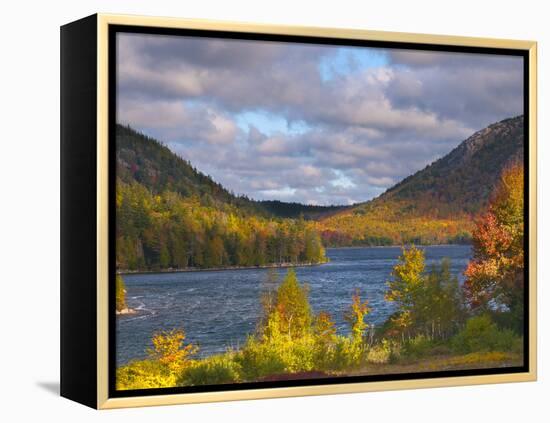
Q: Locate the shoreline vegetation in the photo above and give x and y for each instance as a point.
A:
(438, 324)
(120, 298)
(351, 247)
(432, 330)
(271, 265)
(220, 269)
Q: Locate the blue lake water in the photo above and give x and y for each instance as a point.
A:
(218, 309)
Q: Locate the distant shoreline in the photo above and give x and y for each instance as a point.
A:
(220, 269)
(273, 266)
(353, 247)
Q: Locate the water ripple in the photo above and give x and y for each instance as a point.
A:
(218, 309)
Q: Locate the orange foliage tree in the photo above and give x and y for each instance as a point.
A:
(170, 350)
(495, 277)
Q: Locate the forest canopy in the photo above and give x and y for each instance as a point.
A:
(169, 231)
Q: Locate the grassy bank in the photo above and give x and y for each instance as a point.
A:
(479, 360)
(307, 359)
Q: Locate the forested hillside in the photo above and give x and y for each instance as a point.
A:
(461, 181)
(171, 216)
(148, 162)
(436, 204)
(145, 160)
(284, 209)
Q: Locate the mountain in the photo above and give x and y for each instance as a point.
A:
(144, 160)
(436, 204)
(433, 206)
(170, 216)
(462, 180)
(147, 161)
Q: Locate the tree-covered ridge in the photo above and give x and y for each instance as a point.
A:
(436, 204)
(147, 161)
(461, 181)
(144, 160)
(385, 224)
(171, 216)
(169, 231)
(294, 210)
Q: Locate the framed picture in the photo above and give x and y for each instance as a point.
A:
(254, 211)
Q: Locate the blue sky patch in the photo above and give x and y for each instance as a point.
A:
(350, 60)
(269, 123)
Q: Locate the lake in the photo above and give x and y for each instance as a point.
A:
(217, 309)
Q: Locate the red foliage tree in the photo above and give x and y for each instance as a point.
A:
(494, 277)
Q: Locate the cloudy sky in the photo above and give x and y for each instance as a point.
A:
(309, 123)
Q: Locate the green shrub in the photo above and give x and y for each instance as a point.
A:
(144, 375)
(417, 347)
(481, 335)
(213, 370)
(258, 360)
(324, 333)
(441, 349)
(276, 354)
(348, 354)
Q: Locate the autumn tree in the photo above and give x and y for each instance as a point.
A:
(325, 339)
(314, 251)
(169, 349)
(438, 308)
(428, 303)
(120, 293)
(324, 328)
(355, 316)
(408, 278)
(268, 297)
(293, 306)
(494, 277)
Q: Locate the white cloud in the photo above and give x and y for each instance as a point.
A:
(360, 131)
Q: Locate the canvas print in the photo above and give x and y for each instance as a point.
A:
(292, 211)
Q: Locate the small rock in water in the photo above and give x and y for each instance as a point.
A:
(126, 311)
